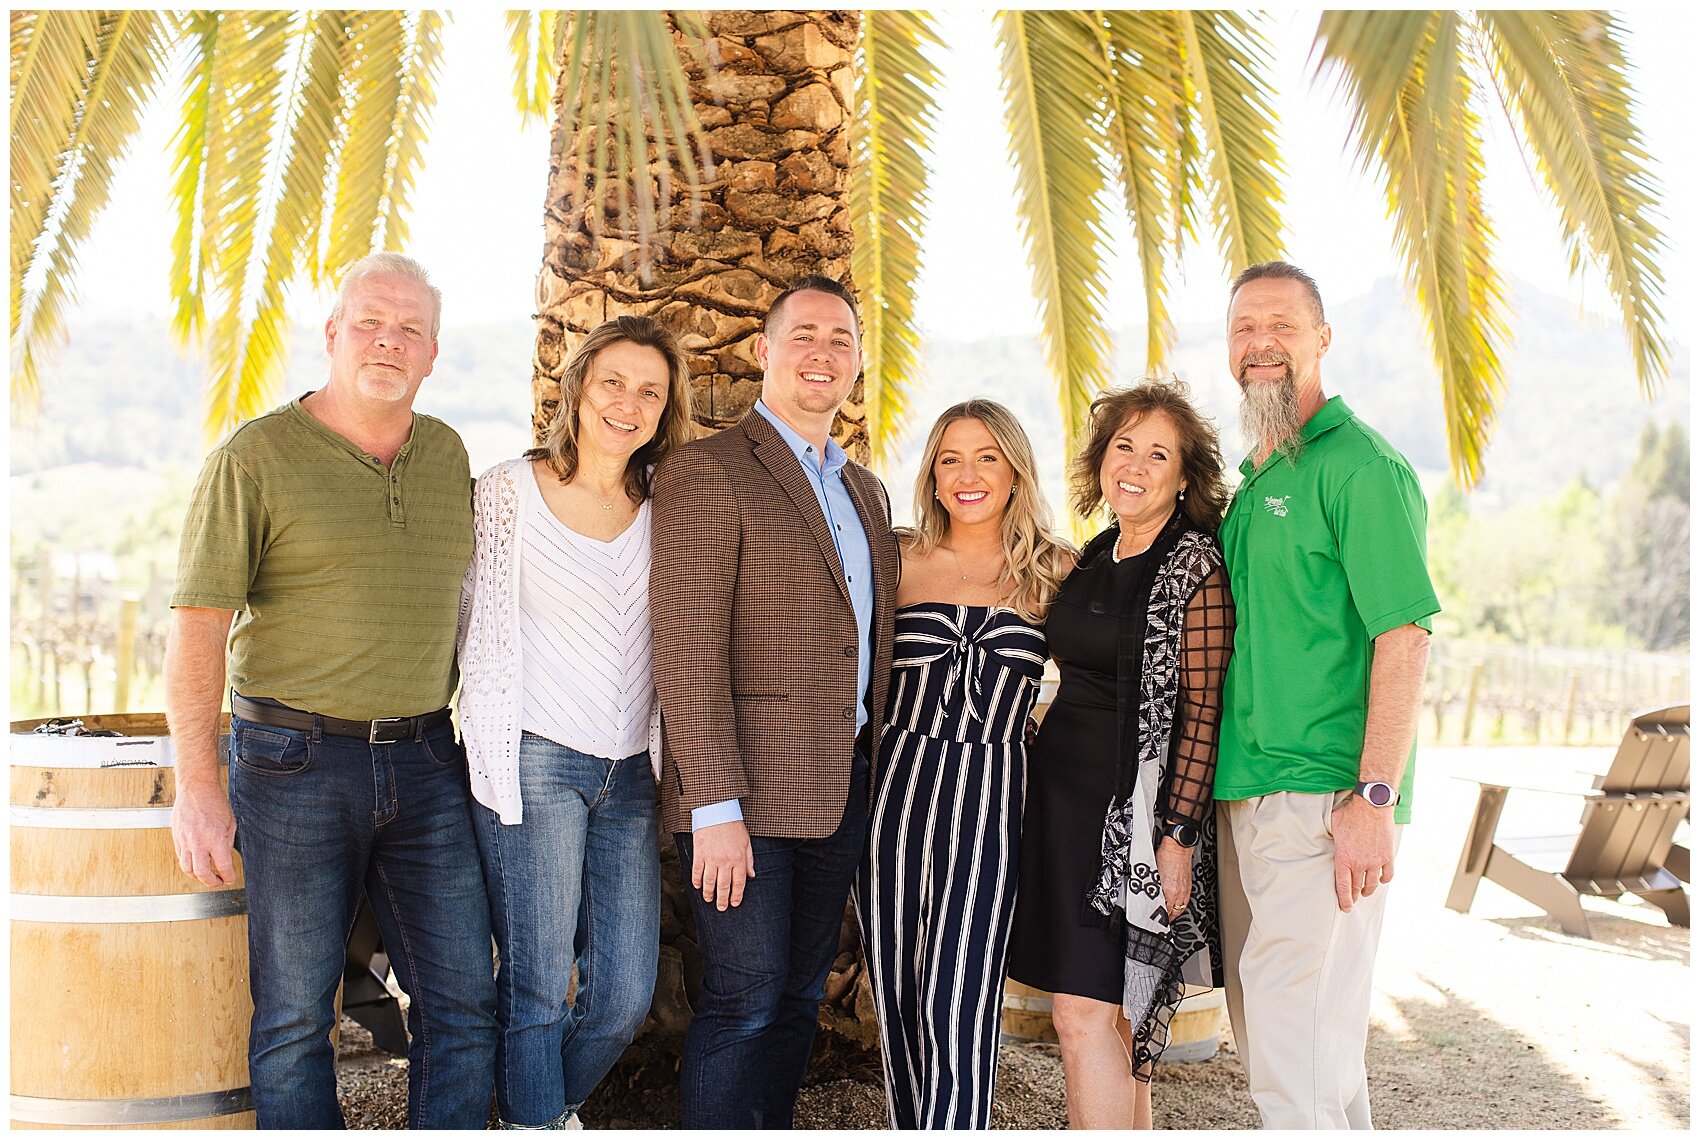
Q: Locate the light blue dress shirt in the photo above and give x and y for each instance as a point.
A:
(826, 476)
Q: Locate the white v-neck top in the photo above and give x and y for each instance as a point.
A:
(584, 631)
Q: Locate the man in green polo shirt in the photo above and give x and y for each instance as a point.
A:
(319, 577)
(1326, 551)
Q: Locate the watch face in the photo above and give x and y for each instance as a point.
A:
(1378, 794)
(1183, 833)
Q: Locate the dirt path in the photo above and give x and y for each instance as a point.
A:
(1494, 1019)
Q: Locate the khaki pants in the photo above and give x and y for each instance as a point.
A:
(1298, 968)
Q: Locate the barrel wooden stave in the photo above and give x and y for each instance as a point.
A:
(117, 1011)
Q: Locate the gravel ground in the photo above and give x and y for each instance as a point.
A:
(1495, 1019)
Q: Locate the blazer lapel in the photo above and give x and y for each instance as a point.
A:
(782, 463)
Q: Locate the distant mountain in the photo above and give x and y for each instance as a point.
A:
(122, 396)
(1572, 406)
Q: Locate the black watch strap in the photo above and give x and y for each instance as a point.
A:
(1182, 832)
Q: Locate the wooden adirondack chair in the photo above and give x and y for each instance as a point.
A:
(1623, 843)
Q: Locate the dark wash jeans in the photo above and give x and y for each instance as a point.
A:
(764, 969)
(317, 821)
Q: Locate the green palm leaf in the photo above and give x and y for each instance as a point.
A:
(247, 347)
(50, 58)
(1056, 75)
(890, 133)
(1150, 119)
(372, 82)
(1229, 64)
(1566, 76)
(1426, 150)
(535, 39)
(111, 84)
(251, 62)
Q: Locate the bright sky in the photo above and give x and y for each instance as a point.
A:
(477, 222)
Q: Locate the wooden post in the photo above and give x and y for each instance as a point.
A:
(44, 593)
(1570, 701)
(1470, 700)
(126, 655)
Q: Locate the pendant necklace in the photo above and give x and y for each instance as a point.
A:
(956, 558)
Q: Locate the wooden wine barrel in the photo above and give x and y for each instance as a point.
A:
(130, 1002)
(1194, 1032)
(1026, 1013)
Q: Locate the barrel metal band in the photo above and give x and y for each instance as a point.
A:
(29, 750)
(129, 908)
(92, 819)
(132, 1111)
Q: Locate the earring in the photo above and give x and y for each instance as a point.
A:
(1182, 495)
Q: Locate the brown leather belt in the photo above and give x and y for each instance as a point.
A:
(384, 730)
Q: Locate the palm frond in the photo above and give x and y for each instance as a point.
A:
(257, 70)
(1428, 157)
(1231, 71)
(1566, 76)
(1150, 118)
(625, 90)
(372, 81)
(534, 38)
(128, 56)
(51, 54)
(194, 148)
(1055, 78)
(891, 131)
(420, 66)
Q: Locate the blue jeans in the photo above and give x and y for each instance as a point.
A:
(319, 819)
(578, 880)
(764, 969)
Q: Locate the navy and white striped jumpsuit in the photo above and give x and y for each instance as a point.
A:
(937, 888)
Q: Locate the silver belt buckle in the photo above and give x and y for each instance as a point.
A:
(386, 722)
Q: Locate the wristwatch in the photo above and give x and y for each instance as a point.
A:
(1378, 794)
(1186, 834)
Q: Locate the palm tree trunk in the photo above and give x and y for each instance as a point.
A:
(776, 105)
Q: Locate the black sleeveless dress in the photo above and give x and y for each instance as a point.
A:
(1058, 943)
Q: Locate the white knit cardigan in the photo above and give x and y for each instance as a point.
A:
(492, 669)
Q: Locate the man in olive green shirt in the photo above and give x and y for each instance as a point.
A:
(1326, 552)
(319, 577)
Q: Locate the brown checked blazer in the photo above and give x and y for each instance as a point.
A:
(755, 638)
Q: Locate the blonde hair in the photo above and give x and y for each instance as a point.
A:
(1036, 559)
(560, 442)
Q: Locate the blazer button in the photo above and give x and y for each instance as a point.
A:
(849, 651)
(850, 713)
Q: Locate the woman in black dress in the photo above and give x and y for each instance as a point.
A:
(1116, 904)
(937, 887)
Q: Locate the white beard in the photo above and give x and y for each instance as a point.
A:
(382, 384)
(1270, 418)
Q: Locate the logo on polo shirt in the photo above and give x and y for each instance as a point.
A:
(1276, 507)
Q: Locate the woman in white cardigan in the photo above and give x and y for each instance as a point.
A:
(558, 712)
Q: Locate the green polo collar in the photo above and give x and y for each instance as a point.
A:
(1332, 414)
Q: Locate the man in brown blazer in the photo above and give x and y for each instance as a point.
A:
(771, 587)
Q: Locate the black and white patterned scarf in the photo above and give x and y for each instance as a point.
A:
(1161, 955)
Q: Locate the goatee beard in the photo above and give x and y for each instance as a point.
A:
(1270, 418)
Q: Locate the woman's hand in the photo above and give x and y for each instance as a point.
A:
(1174, 869)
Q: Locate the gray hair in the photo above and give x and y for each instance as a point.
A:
(1280, 271)
(395, 264)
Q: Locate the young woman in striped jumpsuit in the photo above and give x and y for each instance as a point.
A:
(937, 889)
